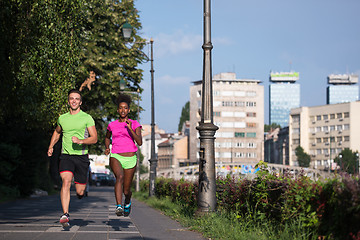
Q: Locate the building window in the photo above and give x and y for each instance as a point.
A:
(318, 140)
(296, 141)
(296, 118)
(332, 139)
(346, 126)
(239, 145)
(339, 139)
(318, 151)
(251, 93)
(346, 138)
(339, 127)
(251, 134)
(251, 114)
(332, 127)
(332, 116)
(227, 103)
(251, 125)
(339, 115)
(346, 114)
(216, 93)
(239, 155)
(216, 114)
(326, 151)
(251, 145)
(325, 139)
(296, 130)
(239, 104)
(318, 129)
(239, 134)
(318, 117)
(239, 125)
(198, 93)
(251, 155)
(325, 117)
(251, 104)
(325, 128)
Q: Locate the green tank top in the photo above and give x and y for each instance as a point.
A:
(75, 125)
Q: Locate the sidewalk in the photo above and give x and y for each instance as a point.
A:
(91, 218)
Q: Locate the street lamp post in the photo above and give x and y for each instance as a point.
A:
(127, 29)
(206, 128)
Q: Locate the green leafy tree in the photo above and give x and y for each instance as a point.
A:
(112, 58)
(39, 55)
(348, 161)
(267, 127)
(302, 157)
(185, 115)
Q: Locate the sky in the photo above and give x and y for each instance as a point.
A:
(250, 38)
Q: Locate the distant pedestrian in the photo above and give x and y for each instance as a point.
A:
(124, 133)
(78, 129)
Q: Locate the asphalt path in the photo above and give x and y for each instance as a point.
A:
(91, 218)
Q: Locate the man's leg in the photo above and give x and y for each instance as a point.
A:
(80, 190)
(65, 190)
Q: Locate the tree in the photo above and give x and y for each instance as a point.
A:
(185, 115)
(39, 55)
(267, 127)
(107, 53)
(302, 157)
(348, 161)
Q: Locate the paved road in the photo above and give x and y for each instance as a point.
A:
(91, 218)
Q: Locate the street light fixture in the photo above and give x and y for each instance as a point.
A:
(127, 30)
(206, 128)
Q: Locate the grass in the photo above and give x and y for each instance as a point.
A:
(225, 226)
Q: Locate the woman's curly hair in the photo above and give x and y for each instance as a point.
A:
(123, 98)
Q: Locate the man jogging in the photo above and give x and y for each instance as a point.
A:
(78, 129)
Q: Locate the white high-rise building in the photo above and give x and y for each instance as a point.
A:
(238, 106)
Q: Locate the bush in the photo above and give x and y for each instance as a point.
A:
(331, 208)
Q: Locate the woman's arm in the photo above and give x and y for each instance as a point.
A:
(107, 142)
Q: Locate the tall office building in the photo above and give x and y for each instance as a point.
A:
(343, 88)
(238, 106)
(324, 131)
(284, 95)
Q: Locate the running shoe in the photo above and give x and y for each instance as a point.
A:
(119, 210)
(64, 220)
(127, 209)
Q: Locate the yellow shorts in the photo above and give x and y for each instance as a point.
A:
(126, 162)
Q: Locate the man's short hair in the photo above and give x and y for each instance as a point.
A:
(75, 91)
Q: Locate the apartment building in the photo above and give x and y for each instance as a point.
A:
(238, 108)
(324, 131)
(172, 153)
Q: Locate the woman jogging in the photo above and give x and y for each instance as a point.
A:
(124, 133)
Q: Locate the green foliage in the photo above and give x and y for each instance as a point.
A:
(106, 53)
(339, 208)
(348, 162)
(302, 157)
(185, 115)
(272, 126)
(326, 209)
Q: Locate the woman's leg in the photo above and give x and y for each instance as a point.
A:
(119, 175)
(128, 178)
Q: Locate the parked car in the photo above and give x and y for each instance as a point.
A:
(102, 179)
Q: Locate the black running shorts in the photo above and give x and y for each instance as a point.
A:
(78, 165)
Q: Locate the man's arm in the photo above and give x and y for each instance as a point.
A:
(54, 139)
(88, 141)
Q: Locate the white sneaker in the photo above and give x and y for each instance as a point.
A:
(64, 220)
(119, 210)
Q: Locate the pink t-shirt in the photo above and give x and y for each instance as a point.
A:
(122, 140)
